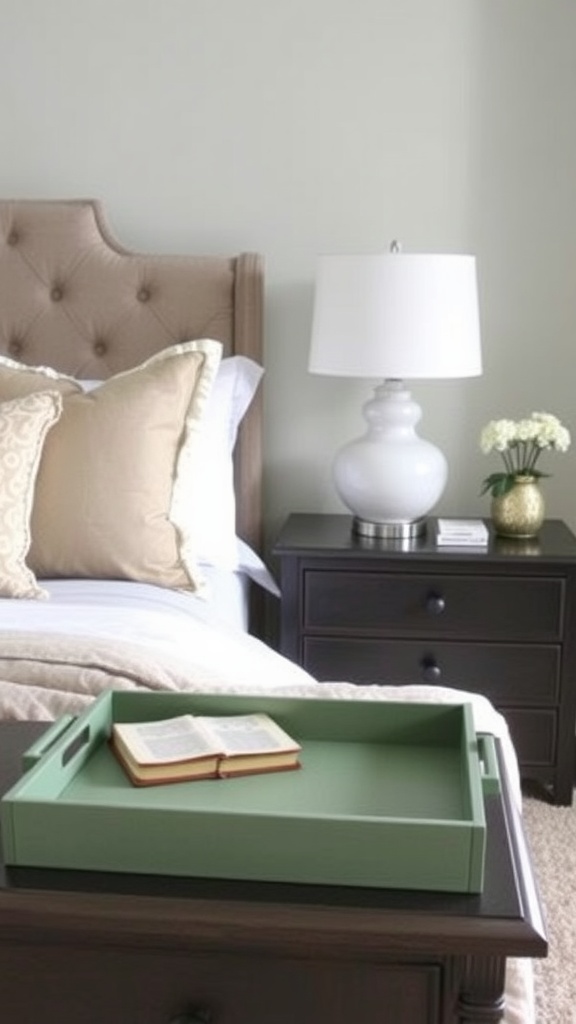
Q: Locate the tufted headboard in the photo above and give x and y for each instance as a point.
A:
(73, 298)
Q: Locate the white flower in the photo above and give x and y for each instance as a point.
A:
(551, 433)
(520, 444)
(497, 435)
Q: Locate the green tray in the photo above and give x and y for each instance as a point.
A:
(390, 795)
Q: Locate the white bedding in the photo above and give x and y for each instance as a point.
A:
(181, 641)
(131, 610)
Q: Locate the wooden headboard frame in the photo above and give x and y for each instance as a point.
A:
(73, 298)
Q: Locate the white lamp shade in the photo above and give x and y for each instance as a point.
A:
(396, 316)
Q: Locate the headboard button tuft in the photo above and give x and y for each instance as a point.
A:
(143, 295)
(100, 347)
(15, 347)
(13, 238)
(56, 293)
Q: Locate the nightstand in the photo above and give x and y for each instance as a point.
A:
(499, 620)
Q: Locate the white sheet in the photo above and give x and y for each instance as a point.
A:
(225, 597)
(229, 593)
(135, 605)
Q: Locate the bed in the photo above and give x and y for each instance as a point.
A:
(118, 368)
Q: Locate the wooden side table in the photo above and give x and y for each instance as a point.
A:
(93, 947)
(500, 621)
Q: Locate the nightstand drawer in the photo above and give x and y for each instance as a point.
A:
(138, 986)
(508, 674)
(489, 607)
(534, 735)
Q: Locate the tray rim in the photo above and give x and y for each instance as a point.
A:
(98, 716)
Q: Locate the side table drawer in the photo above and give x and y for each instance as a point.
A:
(129, 987)
(534, 735)
(508, 674)
(490, 607)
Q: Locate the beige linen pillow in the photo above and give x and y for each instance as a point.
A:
(24, 424)
(114, 480)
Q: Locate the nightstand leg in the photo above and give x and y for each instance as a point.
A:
(481, 999)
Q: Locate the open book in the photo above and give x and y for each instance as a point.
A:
(202, 747)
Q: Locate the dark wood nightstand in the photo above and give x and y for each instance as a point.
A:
(95, 946)
(499, 620)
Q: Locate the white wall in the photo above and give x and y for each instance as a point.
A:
(327, 125)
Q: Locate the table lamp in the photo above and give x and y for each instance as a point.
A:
(394, 316)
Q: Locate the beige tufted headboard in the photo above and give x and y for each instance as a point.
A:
(73, 298)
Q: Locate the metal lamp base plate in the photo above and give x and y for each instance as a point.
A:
(389, 531)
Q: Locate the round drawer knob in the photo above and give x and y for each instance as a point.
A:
(435, 604)
(431, 671)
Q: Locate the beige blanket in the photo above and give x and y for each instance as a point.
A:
(44, 675)
(71, 670)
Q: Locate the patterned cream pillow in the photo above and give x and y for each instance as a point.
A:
(24, 423)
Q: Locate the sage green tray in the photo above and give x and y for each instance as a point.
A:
(389, 795)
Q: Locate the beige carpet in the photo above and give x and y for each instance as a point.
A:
(551, 835)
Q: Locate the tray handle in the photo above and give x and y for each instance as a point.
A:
(488, 763)
(46, 741)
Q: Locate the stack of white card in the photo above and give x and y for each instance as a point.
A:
(462, 533)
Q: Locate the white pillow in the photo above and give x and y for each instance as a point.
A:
(252, 566)
(214, 515)
(212, 512)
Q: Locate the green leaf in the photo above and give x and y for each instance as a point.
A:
(500, 483)
(497, 484)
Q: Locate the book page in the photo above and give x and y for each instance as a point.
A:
(166, 741)
(248, 734)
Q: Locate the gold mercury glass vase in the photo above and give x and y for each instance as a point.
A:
(519, 512)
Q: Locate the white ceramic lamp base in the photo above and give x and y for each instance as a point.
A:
(390, 478)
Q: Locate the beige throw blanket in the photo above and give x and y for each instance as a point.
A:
(43, 675)
(75, 669)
